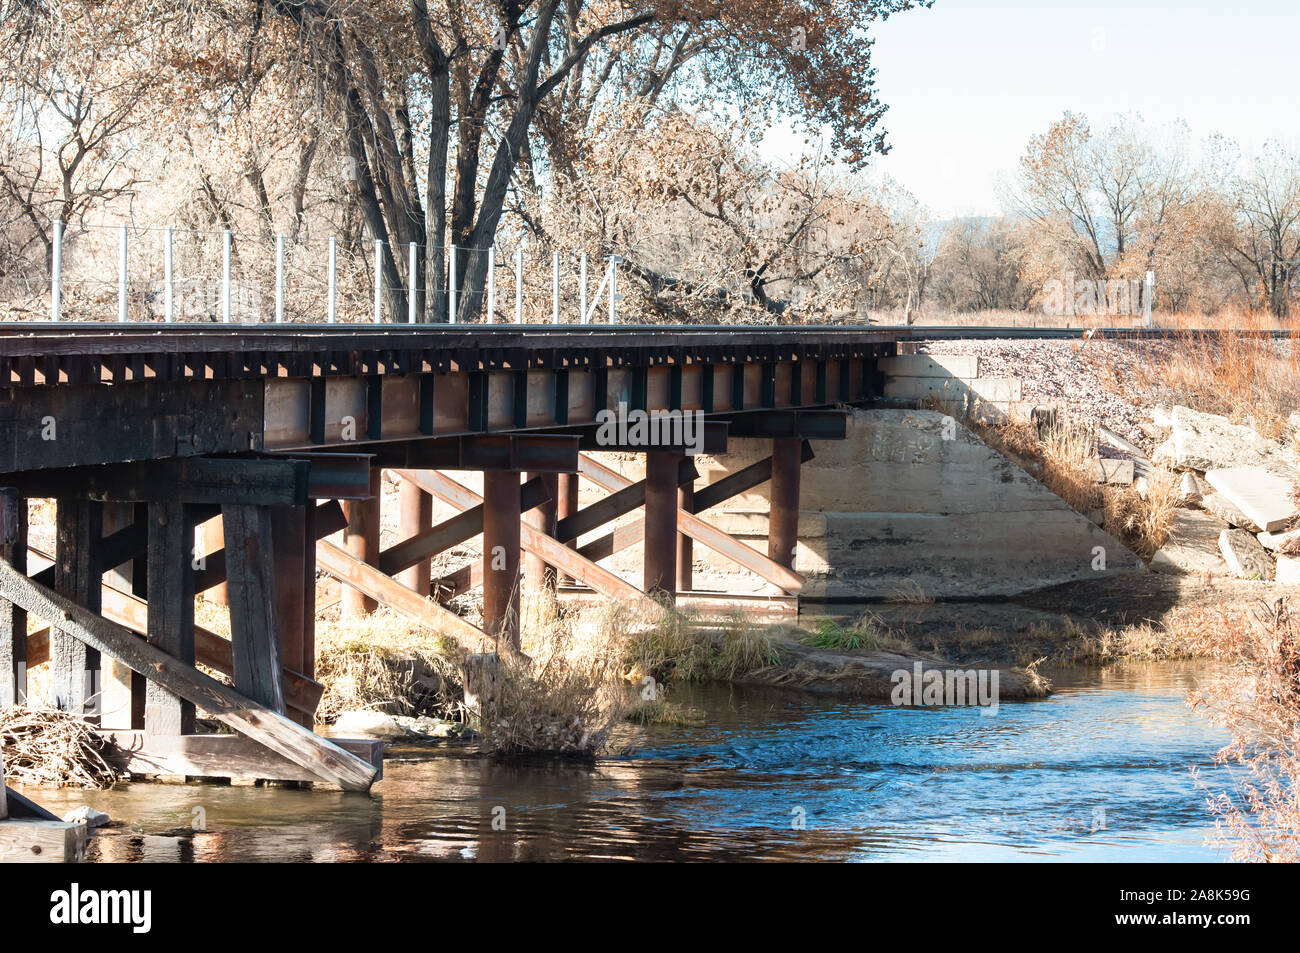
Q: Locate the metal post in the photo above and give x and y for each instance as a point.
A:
(783, 497)
(566, 504)
(56, 272)
(410, 280)
(279, 279)
(121, 277)
(519, 286)
(582, 289)
(613, 290)
(332, 284)
(660, 548)
(1151, 289)
(379, 281)
(169, 313)
(225, 275)
(555, 287)
(492, 286)
(451, 286)
(501, 554)
(537, 573)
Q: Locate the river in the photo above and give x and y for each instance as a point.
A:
(1098, 771)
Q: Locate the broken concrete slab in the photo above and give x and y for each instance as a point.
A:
(1193, 545)
(1288, 539)
(1265, 497)
(1244, 555)
(1189, 488)
(1162, 417)
(1210, 442)
(993, 389)
(963, 366)
(1106, 470)
(1222, 507)
(1288, 570)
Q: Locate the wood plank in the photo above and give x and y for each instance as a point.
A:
(327, 761)
(368, 580)
(221, 756)
(77, 575)
(170, 614)
(615, 505)
(118, 684)
(727, 546)
(552, 550)
(327, 520)
(28, 841)
(301, 692)
(254, 638)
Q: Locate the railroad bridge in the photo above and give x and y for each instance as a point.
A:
(278, 435)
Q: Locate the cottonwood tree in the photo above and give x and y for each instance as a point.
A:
(1265, 240)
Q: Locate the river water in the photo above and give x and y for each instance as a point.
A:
(1098, 771)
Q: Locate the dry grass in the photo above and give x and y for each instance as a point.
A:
(47, 746)
(678, 647)
(1257, 700)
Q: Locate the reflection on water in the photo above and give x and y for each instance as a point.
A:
(1099, 771)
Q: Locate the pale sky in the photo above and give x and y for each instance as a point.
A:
(969, 81)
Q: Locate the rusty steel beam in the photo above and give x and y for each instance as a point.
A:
(566, 505)
(501, 531)
(792, 424)
(415, 517)
(383, 589)
(660, 554)
(783, 512)
(538, 573)
(727, 546)
(361, 540)
(553, 551)
(327, 519)
(617, 504)
(685, 545)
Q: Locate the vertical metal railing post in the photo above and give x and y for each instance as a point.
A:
(613, 289)
(451, 286)
(279, 279)
(333, 287)
(412, 308)
(379, 281)
(519, 285)
(121, 275)
(225, 275)
(56, 272)
(169, 284)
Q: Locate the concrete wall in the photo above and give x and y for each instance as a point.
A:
(898, 505)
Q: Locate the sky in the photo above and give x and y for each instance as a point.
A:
(969, 81)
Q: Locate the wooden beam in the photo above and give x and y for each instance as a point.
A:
(254, 636)
(301, 692)
(222, 481)
(361, 538)
(221, 756)
(74, 666)
(351, 571)
(171, 612)
(10, 501)
(41, 842)
(327, 519)
(327, 761)
(727, 546)
(553, 551)
(13, 620)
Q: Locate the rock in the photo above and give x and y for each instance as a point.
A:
(1288, 570)
(1244, 555)
(1193, 545)
(1112, 471)
(1189, 488)
(1163, 455)
(1222, 507)
(369, 724)
(427, 727)
(1162, 417)
(1210, 442)
(86, 815)
(1285, 541)
(1264, 497)
(1158, 434)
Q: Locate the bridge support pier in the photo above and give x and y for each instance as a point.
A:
(660, 555)
(566, 504)
(294, 560)
(685, 545)
(501, 544)
(416, 515)
(541, 575)
(783, 513)
(361, 540)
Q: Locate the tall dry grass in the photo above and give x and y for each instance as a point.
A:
(1257, 699)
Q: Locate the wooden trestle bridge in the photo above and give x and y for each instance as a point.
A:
(143, 432)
